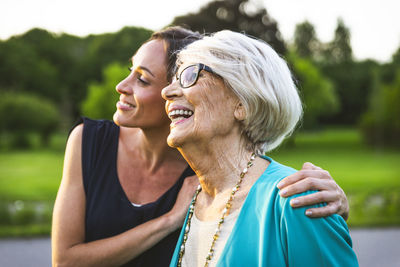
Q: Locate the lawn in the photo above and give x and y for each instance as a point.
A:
(340, 151)
(370, 177)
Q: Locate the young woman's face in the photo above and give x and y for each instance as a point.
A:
(141, 104)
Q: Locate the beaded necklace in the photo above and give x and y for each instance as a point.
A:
(221, 221)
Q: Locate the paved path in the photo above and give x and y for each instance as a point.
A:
(377, 247)
(374, 248)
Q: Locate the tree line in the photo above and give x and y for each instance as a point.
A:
(48, 80)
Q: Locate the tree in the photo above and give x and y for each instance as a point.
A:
(318, 93)
(353, 82)
(306, 43)
(21, 114)
(339, 50)
(23, 70)
(59, 66)
(102, 97)
(236, 15)
(380, 125)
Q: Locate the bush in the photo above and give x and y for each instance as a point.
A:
(22, 114)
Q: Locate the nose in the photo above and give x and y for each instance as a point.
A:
(123, 87)
(171, 91)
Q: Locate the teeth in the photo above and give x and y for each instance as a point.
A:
(180, 112)
(125, 104)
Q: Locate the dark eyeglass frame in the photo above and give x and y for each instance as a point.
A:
(200, 67)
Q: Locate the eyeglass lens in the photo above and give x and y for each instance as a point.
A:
(188, 76)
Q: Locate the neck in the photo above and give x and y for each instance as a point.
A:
(150, 145)
(217, 164)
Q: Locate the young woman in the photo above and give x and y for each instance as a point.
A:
(124, 192)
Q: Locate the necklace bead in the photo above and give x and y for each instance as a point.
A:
(225, 211)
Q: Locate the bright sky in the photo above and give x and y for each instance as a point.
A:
(374, 24)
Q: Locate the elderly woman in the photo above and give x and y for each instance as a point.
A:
(232, 101)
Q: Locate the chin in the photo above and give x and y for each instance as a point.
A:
(173, 141)
(120, 121)
(115, 119)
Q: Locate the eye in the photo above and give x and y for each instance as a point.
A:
(130, 69)
(142, 80)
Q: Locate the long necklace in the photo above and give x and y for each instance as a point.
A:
(225, 212)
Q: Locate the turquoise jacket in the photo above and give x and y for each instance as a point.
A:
(269, 232)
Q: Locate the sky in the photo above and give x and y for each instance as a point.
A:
(374, 24)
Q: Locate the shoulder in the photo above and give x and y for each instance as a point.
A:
(84, 124)
(90, 129)
(75, 136)
(264, 194)
(274, 173)
(98, 125)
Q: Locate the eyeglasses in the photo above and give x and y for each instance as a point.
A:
(189, 75)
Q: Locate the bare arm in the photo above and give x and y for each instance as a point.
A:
(311, 177)
(68, 229)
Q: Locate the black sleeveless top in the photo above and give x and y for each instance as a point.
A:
(108, 210)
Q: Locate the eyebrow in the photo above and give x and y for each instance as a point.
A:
(142, 68)
(146, 69)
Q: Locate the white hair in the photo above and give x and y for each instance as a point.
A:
(259, 77)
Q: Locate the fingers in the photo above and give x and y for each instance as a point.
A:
(335, 204)
(303, 174)
(312, 199)
(327, 210)
(306, 184)
(312, 177)
(310, 166)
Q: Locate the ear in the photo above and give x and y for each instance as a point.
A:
(240, 112)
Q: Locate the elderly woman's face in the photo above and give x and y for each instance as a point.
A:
(202, 111)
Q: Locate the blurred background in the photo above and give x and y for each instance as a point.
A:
(63, 59)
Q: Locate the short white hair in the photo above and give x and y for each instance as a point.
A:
(259, 77)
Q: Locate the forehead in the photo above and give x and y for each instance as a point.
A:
(152, 55)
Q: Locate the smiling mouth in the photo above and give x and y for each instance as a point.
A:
(180, 114)
(124, 104)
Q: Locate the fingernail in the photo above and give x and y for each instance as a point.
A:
(294, 202)
(308, 212)
(283, 192)
(280, 184)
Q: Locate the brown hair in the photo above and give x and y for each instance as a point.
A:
(176, 38)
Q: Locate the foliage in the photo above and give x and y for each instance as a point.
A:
(21, 114)
(236, 15)
(354, 82)
(306, 43)
(102, 97)
(113, 47)
(23, 70)
(381, 123)
(339, 50)
(318, 93)
(59, 67)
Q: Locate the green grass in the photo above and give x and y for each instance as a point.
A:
(30, 175)
(370, 177)
(354, 166)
